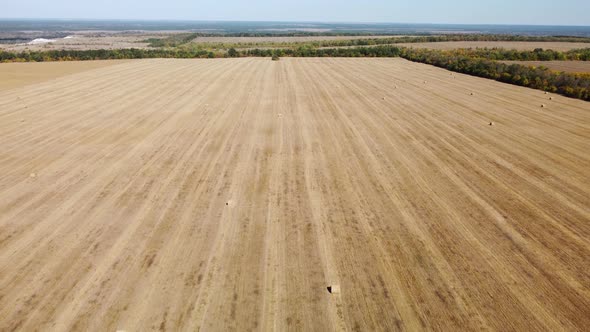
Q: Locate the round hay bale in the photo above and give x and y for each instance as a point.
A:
(471, 94)
(491, 123)
(334, 289)
(550, 98)
(542, 105)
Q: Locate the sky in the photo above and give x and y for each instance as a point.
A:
(535, 12)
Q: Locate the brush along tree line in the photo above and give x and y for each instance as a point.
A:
(478, 62)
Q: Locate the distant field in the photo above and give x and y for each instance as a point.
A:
(521, 46)
(94, 40)
(567, 66)
(12, 25)
(87, 41)
(221, 39)
(228, 194)
(106, 40)
(14, 75)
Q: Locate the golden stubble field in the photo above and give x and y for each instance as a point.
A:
(229, 194)
(21, 74)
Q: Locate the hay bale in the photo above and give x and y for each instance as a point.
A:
(334, 289)
(546, 92)
(550, 98)
(542, 105)
(491, 123)
(471, 94)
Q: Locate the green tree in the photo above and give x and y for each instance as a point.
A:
(232, 53)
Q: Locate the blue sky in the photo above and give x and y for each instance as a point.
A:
(541, 12)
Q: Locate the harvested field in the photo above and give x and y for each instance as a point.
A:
(20, 74)
(517, 45)
(304, 194)
(567, 66)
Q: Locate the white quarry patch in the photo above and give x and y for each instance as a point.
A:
(40, 41)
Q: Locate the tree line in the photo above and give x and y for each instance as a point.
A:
(83, 55)
(538, 54)
(473, 62)
(380, 51)
(172, 40)
(568, 84)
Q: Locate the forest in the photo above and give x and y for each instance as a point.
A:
(567, 84)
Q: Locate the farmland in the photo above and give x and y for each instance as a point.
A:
(230, 193)
(88, 41)
(22, 74)
(566, 66)
(517, 45)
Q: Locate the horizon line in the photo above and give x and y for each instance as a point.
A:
(282, 21)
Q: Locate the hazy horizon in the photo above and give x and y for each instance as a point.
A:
(459, 12)
(276, 21)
